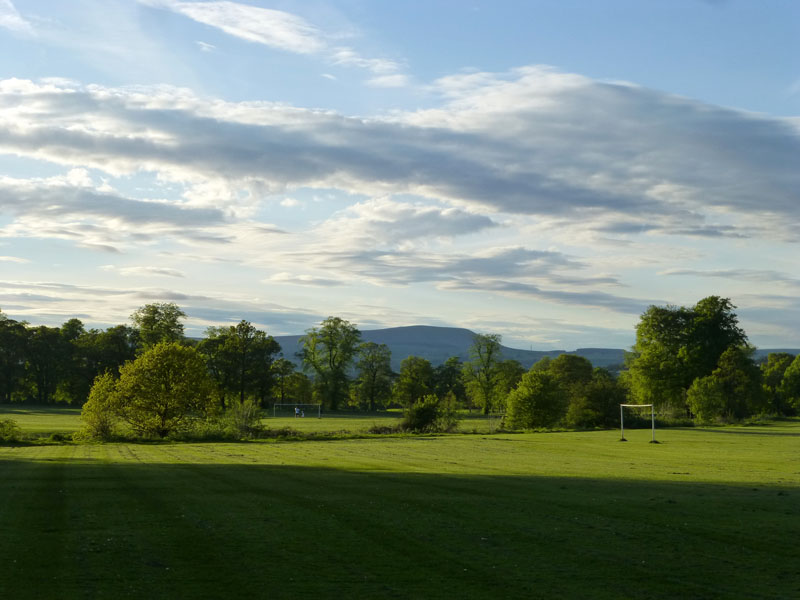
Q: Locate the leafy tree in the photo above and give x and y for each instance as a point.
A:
(240, 359)
(448, 380)
(99, 413)
(374, 379)
(571, 369)
(47, 354)
(733, 391)
(110, 349)
(158, 322)
(414, 382)
(790, 385)
(299, 388)
(773, 371)
(676, 345)
(597, 403)
(282, 370)
(481, 372)
(538, 401)
(163, 389)
(13, 355)
(328, 352)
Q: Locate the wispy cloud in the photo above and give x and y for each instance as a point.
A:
(11, 19)
(273, 28)
(144, 271)
(389, 81)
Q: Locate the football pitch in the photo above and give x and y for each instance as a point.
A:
(706, 513)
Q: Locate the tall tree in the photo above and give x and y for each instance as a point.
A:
(48, 352)
(773, 370)
(13, 355)
(240, 358)
(373, 385)
(676, 345)
(448, 380)
(158, 322)
(481, 373)
(414, 382)
(282, 370)
(328, 352)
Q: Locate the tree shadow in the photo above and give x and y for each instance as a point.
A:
(195, 529)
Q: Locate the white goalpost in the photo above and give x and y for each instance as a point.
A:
(622, 408)
(297, 410)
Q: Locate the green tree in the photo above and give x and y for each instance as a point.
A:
(676, 345)
(240, 360)
(790, 384)
(373, 386)
(448, 380)
(773, 370)
(481, 373)
(282, 370)
(48, 353)
(158, 322)
(597, 404)
(13, 356)
(99, 413)
(328, 352)
(414, 381)
(538, 401)
(163, 389)
(732, 392)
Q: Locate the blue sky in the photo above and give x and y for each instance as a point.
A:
(544, 170)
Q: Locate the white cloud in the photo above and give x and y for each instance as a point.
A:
(293, 279)
(11, 19)
(205, 47)
(532, 142)
(349, 57)
(389, 81)
(274, 28)
(13, 259)
(144, 271)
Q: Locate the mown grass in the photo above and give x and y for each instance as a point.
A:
(43, 421)
(704, 514)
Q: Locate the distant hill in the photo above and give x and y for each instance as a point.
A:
(437, 344)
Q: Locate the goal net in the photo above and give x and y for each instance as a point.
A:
(297, 410)
(652, 411)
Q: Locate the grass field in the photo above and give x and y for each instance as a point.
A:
(39, 421)
(705, 514)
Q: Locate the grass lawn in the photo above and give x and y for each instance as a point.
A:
(705, 514)
(42, 421)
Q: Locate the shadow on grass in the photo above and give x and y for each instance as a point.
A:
(107, 528)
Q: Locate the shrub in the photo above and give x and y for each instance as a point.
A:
(244, 418)
(9, 431)
(430, 415)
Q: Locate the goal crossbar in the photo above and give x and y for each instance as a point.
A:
(622, 408)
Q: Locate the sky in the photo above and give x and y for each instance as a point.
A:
(541, 169)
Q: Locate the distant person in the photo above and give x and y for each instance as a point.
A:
(303, 413)
(296, 412)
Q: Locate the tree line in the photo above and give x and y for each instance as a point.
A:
(693, 361)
